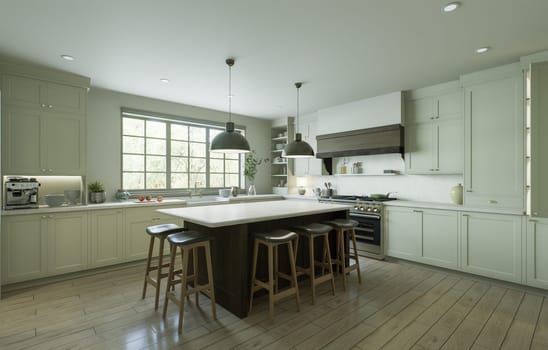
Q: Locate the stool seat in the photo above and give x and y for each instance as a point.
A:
(277, 236)
(164, 229)
(314, 229)
(343, 223)
(188, 237)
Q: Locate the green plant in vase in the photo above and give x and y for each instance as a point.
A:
(96, 192)
(252, 161)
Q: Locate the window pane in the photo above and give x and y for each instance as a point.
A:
(133, 162)
(131, 126)
(216, 180)
(232, 156)
(156, 163)
(179, 148)
(133, 144)
(197, 134)
(179, 164)
(197, 165)
(156, 129)
(156, 180)
(232, 180)
(197, 149)
(133, 181)
(179, 180)
(218, 155)
(198, 179)
(155, 146)
(216, 165)
(179, 132)
(232, 166)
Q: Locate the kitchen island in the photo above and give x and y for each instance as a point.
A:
(233, 226)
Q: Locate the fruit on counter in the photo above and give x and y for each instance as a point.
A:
(141, 198)
(159, 198)
(149, 197)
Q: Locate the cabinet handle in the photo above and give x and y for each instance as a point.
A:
(465, 215)
(492, 201)
(43, 170)
(417, 211)
(44, 217)
(468, 190)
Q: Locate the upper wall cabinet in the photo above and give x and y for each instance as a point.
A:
(494, 138)
(434, 135)
(33, 93)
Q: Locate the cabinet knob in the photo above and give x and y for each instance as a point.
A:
(43, 105)
(43, 170)
(50, 170)
(44, 217)
(535, 213)
(50, 106)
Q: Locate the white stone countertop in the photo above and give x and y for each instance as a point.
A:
(303, 197)
(451, 206)
(242, 213)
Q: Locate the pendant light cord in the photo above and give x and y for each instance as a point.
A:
(229, 93)
(298, 86)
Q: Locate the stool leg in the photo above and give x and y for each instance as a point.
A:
(253, 272)
(276, 279)
(184, 282)
(159, 274)
(173, 253)
(195, 271)
(354, 243)
(342, 257)
(147, 270)
(270, 280)
(294, 273)
(210, 280)
(329, 263)
(311, 258)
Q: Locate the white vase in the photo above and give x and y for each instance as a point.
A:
(251, 191)
(456, 194)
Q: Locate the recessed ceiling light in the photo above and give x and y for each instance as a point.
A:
(164, 80)
(483, 49)
(450, 7)
(67, 57)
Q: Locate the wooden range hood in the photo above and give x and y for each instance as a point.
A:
(378, 140)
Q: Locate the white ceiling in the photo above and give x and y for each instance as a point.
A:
(343, 50)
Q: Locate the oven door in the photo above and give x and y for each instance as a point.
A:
(369, 227)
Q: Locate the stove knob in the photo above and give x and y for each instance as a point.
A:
(376, 210)
(368, 209)
(356, 207)
(362, 208)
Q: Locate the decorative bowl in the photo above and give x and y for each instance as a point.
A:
(73, 196)
(54, 200)
(224, 192)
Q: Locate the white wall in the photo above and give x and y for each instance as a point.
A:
(104, 133)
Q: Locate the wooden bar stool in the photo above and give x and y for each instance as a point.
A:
(313, 231)
(189, 242)
(157, 232)
(272, 240)
(342, 227)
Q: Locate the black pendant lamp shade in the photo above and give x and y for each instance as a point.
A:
(230, 141)
(298, 148)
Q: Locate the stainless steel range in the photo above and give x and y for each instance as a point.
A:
(368, 212)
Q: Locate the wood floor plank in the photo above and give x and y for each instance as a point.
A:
(521, 331)
(495, 329)
(540, 339)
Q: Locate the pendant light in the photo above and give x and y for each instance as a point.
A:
(230, 141)
(298, 148)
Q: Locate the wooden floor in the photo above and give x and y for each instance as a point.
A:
(398, 306)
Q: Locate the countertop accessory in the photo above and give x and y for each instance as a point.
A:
(54, 200)
(298, 148)
(235, 191)
(73, 196)
(456, 194)
(381, 195)
(97, 192)
(122, 195)
(224, 192)
(230, 141)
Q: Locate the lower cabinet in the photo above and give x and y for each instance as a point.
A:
(491, 245)
(35, 246)
(402, 233)
(537, 257)
(106, 237)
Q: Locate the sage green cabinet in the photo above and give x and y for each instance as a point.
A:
(106, 237)
(492, 245)
(402, 233)
(67, 242)
(434, 134)
(42, 143)
(537, 257)
(494, 138)
(45, 95)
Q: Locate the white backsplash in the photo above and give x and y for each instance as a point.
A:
(429, 188)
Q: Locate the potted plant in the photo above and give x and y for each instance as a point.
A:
(96, 192)
(252, 161)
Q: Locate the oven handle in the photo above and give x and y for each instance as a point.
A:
(368, 216)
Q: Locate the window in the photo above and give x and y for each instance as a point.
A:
(167, 153)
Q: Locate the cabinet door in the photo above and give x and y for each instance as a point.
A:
(63, 144)
(65, 98)
(24, 92)
(494, 154)
(420, 110)
(450, 105)
(539, 141)
(537, 259)
(24, 248)
(67, 242)
(419, 149)
(106, 237)
(450, 146)
(440, 238)
(491, 245)
(402, 234)
(21, 137)
(136, 239)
